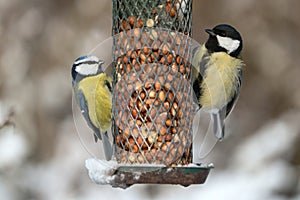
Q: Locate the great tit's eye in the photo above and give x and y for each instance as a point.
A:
(220, 33)
(223, 34)
(108, 85)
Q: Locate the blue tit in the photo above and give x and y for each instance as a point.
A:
(217, 74)
(93, 91)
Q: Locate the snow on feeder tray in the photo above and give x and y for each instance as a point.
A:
(153, 105)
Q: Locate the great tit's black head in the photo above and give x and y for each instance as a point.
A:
(224, 38)
(85, 66)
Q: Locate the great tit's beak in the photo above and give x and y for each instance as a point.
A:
(210, 32)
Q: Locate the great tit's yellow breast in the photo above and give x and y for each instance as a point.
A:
(98, 101)
(220, 80)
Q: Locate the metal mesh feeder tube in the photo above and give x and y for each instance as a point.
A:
(152, 123)
(152, 99)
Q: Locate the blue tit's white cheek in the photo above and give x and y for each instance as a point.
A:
(86, 69)
(229, 44)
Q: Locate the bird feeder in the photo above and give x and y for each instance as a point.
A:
(153, 107)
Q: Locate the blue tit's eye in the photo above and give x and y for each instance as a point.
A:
(108, 85)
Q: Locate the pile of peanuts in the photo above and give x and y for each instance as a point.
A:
(153, 119)
(163, 15)
(141, 46)
(152, 98)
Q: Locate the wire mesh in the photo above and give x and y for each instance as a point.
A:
(152, 101)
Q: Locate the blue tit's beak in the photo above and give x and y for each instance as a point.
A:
(210, 32)
(101, 62)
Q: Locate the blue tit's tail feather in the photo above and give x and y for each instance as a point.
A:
(107, 146)
(218, 125)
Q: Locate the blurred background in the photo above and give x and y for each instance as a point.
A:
(41, 154)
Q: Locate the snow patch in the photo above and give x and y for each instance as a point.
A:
(14, 148)
(169, 170)
(101, 171)
(269, 143)
(137, 175)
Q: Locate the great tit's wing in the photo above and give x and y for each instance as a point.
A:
(197, 88)
(85, 112)
(196, 57)
(200, 62)
(219, 117)
(200, 59)
(229, 107)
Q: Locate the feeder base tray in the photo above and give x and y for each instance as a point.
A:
(126, 176)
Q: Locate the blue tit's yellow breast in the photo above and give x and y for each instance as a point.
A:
(220, 80)
(104, 103)
(98, 101)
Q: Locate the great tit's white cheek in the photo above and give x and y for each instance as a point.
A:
(229, 44)
(87, 69)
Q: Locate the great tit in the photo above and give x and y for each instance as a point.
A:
(93, 91)
(218, 75)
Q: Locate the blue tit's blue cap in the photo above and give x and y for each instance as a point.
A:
(82, 57)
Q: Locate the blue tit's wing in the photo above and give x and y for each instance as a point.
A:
(85, 112)
(229, 107)
(97, 133)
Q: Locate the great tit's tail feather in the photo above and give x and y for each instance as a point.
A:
(218, 125)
